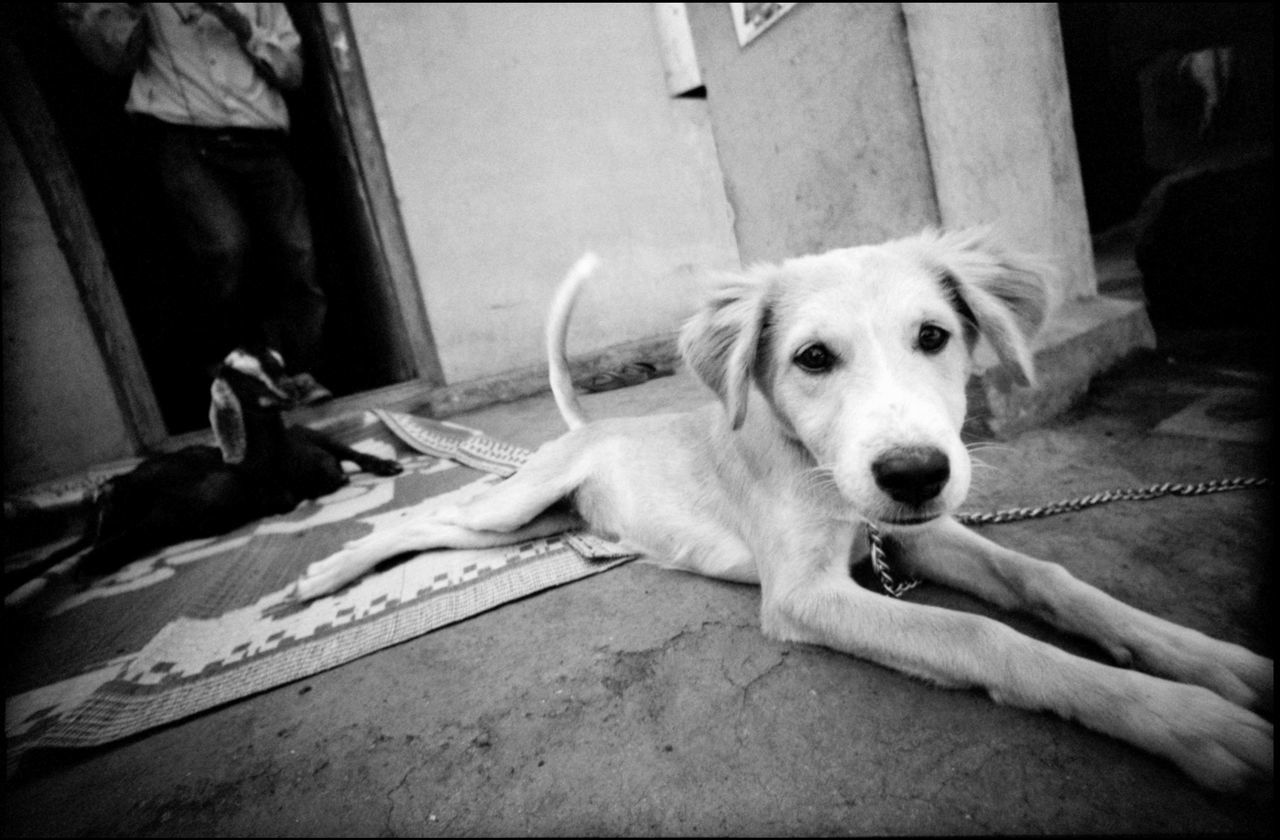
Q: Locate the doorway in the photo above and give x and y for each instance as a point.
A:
(1173, 106)
(376, 333)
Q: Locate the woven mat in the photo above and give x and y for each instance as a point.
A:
(201, 624)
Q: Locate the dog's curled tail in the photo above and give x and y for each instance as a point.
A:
(557, 330)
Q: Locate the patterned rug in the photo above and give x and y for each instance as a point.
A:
(203, 623)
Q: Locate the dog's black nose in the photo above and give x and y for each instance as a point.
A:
(912, 475)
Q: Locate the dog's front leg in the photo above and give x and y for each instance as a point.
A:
(951, 554)
(1220, 744)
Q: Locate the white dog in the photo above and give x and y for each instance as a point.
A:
(841, 379)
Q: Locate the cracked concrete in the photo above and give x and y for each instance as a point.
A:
(645, 701)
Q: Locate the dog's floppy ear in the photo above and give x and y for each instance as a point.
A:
(1001, 295)
(721, 341)
(227, 419)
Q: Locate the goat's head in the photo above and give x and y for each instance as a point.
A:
(248, 380)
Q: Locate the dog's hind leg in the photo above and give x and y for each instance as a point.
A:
(549, 477)
(361, 556)
(524, 507)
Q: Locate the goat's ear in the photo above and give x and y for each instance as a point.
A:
(227, 419)
(1002, 296)
(721, 341)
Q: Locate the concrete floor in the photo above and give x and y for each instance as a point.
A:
(643, 701)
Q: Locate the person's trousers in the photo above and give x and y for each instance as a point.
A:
(240, 211)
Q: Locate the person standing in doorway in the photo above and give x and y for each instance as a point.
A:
(207, 98)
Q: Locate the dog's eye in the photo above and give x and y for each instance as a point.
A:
(932, 338)
(815, 358)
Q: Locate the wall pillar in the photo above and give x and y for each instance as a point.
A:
(994, 101)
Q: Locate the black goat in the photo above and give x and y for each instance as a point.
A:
(260, 467)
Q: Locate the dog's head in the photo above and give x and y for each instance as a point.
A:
(251, 380)
(862, 355)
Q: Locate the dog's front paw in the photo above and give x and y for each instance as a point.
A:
(1221, 745)
(1242, 677)
(1234, 672)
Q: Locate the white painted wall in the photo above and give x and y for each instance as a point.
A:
(818, 127)
(60, 414)
(519, 136)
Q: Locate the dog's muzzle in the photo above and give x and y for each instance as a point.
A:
(912, 475)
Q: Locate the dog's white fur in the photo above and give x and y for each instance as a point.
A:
(774, 486)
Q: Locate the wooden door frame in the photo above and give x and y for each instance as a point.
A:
(42, 148)
(355, 127)
(415, 361)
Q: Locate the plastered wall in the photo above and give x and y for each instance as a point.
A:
(517, 137)
(848, 123)
(818, 127)
(993, 92)
(60, 414)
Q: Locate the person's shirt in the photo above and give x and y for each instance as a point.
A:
(188, 67)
